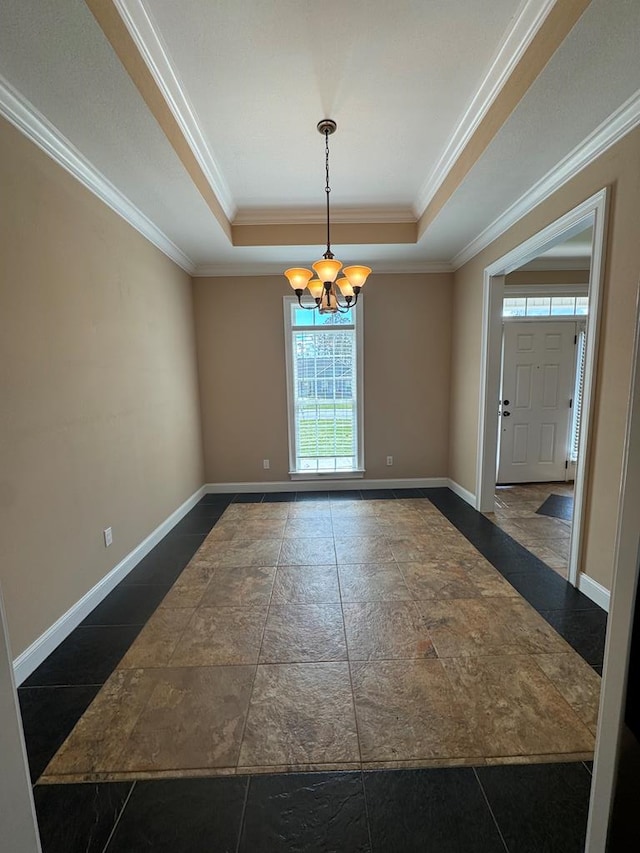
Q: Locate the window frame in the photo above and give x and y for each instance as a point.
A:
(358, 326)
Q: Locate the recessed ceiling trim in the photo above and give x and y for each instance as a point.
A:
(260, 270)
(314, 216)
(154, 52)
(347, 233)
(116, 32)
(518, 38)
(551, 33)
(625, 119)
(29, 121)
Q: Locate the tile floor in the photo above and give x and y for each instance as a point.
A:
(269, 710)
(340, 634)
(517, 514)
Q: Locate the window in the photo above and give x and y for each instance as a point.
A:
(545, 306)
(324, 364)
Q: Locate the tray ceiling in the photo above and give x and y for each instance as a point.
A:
(202, 115)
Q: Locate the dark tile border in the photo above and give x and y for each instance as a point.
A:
(503, 809)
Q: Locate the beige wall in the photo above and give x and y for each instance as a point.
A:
(620, 168)
(547, 277)
(99, 417)
(240, 335)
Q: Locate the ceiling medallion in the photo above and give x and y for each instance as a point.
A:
(324, 287)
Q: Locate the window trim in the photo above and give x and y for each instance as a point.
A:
(359, 471)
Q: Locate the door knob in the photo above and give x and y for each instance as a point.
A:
(507, 414)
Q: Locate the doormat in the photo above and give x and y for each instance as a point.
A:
(557, 506)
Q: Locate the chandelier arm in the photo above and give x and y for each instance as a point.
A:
(302, 305)
(344, 308)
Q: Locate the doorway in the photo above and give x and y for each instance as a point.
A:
(589, 215)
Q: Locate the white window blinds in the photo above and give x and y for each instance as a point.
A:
(578, 394)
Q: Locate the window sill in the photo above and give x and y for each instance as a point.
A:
(327, 475)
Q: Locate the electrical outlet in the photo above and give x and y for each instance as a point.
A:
(108, 536)
(389, 460)
(266, 464)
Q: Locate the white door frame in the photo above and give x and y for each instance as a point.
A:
(17, 810)
(591, 211)
(620, 623)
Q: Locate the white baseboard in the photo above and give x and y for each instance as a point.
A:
(463, 493)
(595, 591)
(33, 656)
(324, 485)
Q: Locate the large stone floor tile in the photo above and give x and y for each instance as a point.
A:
(193, 719)
(363, 549)
(442, 578)
(300, 713)
(308, 527)
(415, 548)
(488, 626)
(298, 633)
(372, 582)
(576, 681)
(513, 709)
(239, 586)
(221, 635)
(157, 641)
(240, 553)
(383, 630)
(306, 585)
(96, 742)
(314, 551)
(408, 710)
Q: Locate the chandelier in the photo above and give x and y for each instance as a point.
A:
(325, 287)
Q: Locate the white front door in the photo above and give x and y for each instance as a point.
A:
(538, 368)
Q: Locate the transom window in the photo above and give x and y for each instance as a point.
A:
(545, 306)
(324, 363)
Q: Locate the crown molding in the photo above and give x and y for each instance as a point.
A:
(29, 121)
(318, 216)
(611, 131)
(271, 269)
(148, 40)
(511, 50)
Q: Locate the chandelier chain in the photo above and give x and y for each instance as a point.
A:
(327, 190)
